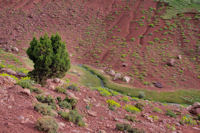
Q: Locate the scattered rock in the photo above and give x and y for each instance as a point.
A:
(102, 131)
(124, 64)
(20, 74)
(158, 84)
(72, 95)
(111, 72)
(171, 62)
(179, 57)
(92, 113)
(26, 92)
(196, 128)
(61, 125)
(195, 108)
(57, 80)
(117, 76)
(126, 79)
(15, 49)
(8, 71)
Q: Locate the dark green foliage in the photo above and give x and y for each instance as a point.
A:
(25, 82)
(47, 99)
(43, 109)
(128, 129)
(73, 116)
(47, 124)
(69, 103)
(50, 58)
(170, 113)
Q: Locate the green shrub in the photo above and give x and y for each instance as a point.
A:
(170, 113)
(50, 58)
(60, 89)
(7, 75)
(43, 109)
(127, 128)
(188, 120)
(141, 95)
(154, 117)
(69, 103)
(47, 99)
(158, 110)
(140, 106)
(113, 104)
(25, 82)
(73, 116)
(73, 87)
(36, 90)
(47, 124)
(125, 99)
(104, 92)
(65, 104)
(131, 118)
(131, 108)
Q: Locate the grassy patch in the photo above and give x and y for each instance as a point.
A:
(47, 124)
(178, 96)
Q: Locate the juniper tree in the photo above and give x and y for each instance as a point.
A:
(50, 58)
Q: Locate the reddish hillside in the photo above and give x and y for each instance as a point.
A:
(107, 34)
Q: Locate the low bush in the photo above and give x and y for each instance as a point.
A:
(7, 75)
(187, 119)
(60, 89)
(131, 108)
(47, 124)
(104, 92)
(125, 99)
(43, 109)
(170, 113)
(69, 103)
(36, 90)
(47, 99)
(131, 118)
(113, 104)
(140, 106)
(25, 82)
(158, 110)
(128, 129)
(73, 116)
(73, 87)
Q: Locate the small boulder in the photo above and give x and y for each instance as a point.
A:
(26, 92)
(70, 94)
(126, 79)
(15, 49)
(57, 80)
(179, 57)
(195, 109)
(117, 76)
(111, 72)
(61, 125)
(158, 85)
(124, 64)
(171, 62)
(92, 113)
(8, 71)
(20, 74)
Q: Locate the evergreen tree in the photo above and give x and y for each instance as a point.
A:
(50, 58)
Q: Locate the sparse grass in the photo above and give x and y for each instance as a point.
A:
(47, 124)
(25, 82)
(73, 87)
(43, 109)
(127, 128)
(73, 116)
(104, 92)
(187, 119)
(170, 113)
(125, 99)
(158, 110)
(131, 118)
(7, 75)
(60, 89)
(47, 99)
